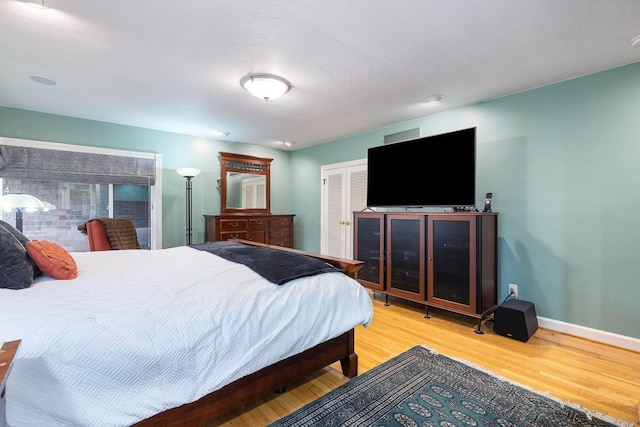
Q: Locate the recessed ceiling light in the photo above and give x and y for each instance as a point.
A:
(265, 86)
(287, 143)
(43, 80)
(434, 99)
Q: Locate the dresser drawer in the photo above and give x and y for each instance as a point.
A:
(278, 221)
(279, 233)
(283, 241)
(242, 234)
(255, 223)
(233, 225)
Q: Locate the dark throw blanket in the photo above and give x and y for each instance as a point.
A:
(276, 266)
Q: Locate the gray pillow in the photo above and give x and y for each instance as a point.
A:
(16, 268)
(23, 239)
(11, 229)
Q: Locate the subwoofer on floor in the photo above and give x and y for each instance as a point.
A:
(516, 319)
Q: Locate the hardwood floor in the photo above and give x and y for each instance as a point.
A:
(595, 376)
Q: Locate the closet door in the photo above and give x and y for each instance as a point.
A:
(344, 190)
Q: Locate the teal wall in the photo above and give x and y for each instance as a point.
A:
(177, 150)
(563, 163)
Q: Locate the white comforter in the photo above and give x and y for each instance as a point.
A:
(139, 332)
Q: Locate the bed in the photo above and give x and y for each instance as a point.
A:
(176, 336)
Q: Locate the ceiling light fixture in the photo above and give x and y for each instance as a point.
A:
(215, 132)
(434, 99)
(265, 86)
(43, 80)
(635, 42)
(36, 3)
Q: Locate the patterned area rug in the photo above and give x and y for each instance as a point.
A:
(422, 388)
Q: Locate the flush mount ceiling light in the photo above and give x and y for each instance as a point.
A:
(635, 42)
(37, 3)
(265, 86)
(434, 99)
(43, 80)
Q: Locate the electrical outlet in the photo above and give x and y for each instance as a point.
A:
(513, 290)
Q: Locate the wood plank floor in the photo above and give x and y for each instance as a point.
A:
(595, 376)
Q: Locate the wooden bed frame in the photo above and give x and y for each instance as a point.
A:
(274, 377)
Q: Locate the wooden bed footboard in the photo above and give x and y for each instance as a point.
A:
(260, 384)
(274, 377)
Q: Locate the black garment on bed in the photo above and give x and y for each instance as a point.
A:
(276, 266)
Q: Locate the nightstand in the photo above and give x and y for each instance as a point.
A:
(7, 355)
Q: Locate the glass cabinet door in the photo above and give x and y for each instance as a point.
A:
(452, 267)
(369, 247)
(405, 256)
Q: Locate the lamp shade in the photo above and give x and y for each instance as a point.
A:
(188, 172)
(265, 86)
(21, 201)
(48, 206)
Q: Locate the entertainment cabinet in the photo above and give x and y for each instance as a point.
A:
(441, 260)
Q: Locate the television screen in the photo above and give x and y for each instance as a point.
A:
(437, 170)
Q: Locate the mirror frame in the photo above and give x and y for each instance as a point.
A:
(230, 162)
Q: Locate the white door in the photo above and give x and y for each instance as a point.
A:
(344, 190)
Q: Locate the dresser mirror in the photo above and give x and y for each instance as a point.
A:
(245, 184)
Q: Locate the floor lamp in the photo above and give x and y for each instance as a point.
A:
(20, 202)
(189, 174)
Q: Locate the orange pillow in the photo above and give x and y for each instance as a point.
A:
(52, 259)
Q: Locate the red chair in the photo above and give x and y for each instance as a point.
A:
(98, 240)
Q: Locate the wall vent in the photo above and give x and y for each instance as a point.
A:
(405, 135)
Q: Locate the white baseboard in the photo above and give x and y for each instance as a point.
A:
(591, 334)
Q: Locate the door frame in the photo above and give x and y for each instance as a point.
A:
(324, 201)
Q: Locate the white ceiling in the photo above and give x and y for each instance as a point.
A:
(355, 65)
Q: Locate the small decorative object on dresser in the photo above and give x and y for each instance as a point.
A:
(245, 190)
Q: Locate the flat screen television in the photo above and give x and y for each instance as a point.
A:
(436, 171)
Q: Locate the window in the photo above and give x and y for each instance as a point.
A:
(106, 194)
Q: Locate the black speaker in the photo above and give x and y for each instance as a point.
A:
(516, 319)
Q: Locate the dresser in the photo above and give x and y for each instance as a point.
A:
(263, 228)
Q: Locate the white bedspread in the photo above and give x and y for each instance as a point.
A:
(139, 332)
